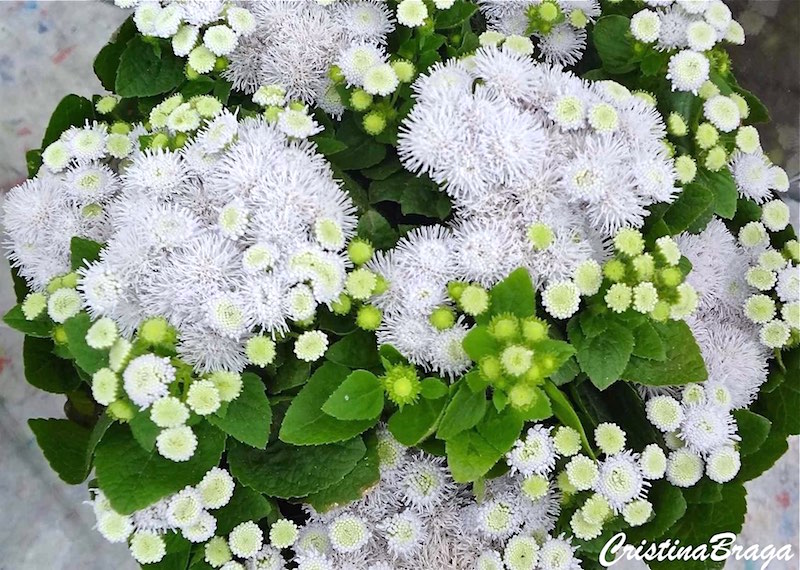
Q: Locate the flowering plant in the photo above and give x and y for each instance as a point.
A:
(416, 284)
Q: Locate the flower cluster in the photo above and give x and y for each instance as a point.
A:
(295, 45)
(558, 26)
(204, 31)
(700, 430)
(418, 517)
(514, 143)
(186, 512)
(734, 356)
(689, 29)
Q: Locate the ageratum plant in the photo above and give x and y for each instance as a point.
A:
(423, 284)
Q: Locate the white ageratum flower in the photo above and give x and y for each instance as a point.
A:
(147, 547)
(203, 397)
(102, 334)
(169, 412)
(561, 299)
(297, 123)
(216, 488)
(311, 345)
(684, 468)
(184, 508)
(688, 70)
(645, 26)
(664, 412)
(63, 304)
(404, 533)
(653, 462)
(722, 112)
(220, 39)
(146, 377)
(411, 13)
(177, 443)
(246, 539)
(348, 533)
(535, 454)
(184, 40)
(701, 36)
(240, 20)
(105, 386)
(380, 80)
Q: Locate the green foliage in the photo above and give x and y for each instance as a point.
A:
(306, 424)
(71, 111)
(133, 478)
(683, 363)
(40, 327)
(46, 371)
(356, 350)
(64, 444)
(245, 505)
(364, 475)
(82, 251)
(288, 471)
(605, 356)
(416, 422)
(89, 359)
(471, 453)
(359, 397)
(464, 411)
(248, 418)
(147, 68)
(614, 43)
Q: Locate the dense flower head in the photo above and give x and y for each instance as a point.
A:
(218, 251)
(295, 44)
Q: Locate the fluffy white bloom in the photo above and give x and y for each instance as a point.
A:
(687, 71)
(146, 378)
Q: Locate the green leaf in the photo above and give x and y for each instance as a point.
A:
(133, 478)
(604, 357)
(781, 405)
(768, 453)
(464, 411)
(249, 416)
(106, 64)
(668, 507)
(648, 344)
(753, 429)
(144, 72)
(359, 397)
(416, 422)
(514, 294)
(433, 388)
(71, 111)
(563, 410)
(306, 424)
(199, 86)
(329, 145)
(702, 521)
(683, 363)
(82, 250)
(89, 359)
(614, 43)
(64, 444)
(364, 475)
(540, 409)
(455, 15)
(44, 370)
(144, 430)
(245, 505)
(471, 453)
(693, 202)
(704, 491)
(356, 350)
(375, 228)
(362, 150)
(33, 161)
(291, 373)
(723, 187)
(288, 471)
(478, 343)
(39, 327)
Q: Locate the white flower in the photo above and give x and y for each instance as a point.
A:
(246, 539)
(297, 123)
(220, 39)
(688, 70)
(380, 80)
(216, 488)
(311, 345)
(63, 304)
(722, 112)
(533, 454)
(645, 26)
(146, 378)
(701, 36)
(411, 13)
